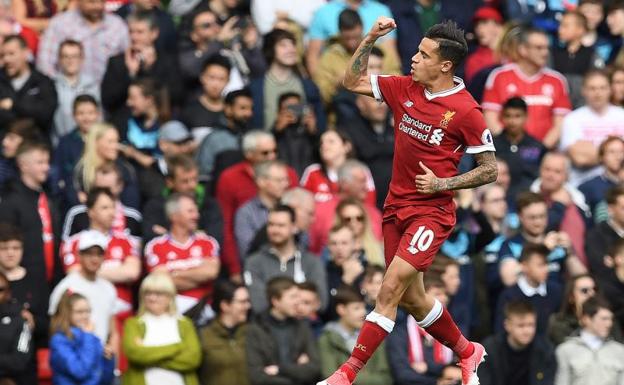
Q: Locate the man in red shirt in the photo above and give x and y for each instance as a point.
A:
(544, 90)
(191, 257)
(436, 120)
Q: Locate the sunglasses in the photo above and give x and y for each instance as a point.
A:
(587, 290)
(359, 218)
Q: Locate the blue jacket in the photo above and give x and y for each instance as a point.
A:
(312, 96)
(80, 360)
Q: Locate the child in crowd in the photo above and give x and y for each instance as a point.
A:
(76, 353)
(371, 284)
(309, 306)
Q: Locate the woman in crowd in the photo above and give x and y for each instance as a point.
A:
(19, 131)
(567, 321)
(36, 14)
(77, 356)
(616, 77)
(322, 178)
(351, 213)
(101, 146)
(161, 347)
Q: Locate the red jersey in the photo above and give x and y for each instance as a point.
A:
(324, 185)
(164, 251)
(432, 128)
(545, 93)
(120, 247)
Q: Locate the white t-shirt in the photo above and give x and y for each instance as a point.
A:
(585, 124)
(161, 330)
(100, 293)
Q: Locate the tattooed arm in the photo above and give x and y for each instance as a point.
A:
(356, 77)
(485, 172)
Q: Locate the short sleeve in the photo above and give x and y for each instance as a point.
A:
(477, 138)
(152, 257)
(316, 30)
(492, 99)
(561, 102)
(571, 132)
(386, 88)
(68, 253)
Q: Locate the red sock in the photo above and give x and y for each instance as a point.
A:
(445, 330)
(371, 336)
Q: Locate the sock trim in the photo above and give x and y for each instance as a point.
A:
(384, 322)
(434, 314)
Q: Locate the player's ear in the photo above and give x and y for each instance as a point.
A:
(447, 66)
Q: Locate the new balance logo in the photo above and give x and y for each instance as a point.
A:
(408, 104)
(360, 347)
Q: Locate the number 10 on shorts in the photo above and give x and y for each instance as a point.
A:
(421, 241)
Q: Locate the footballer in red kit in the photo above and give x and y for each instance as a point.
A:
(436, 121)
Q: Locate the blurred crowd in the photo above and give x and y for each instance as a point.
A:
(189, 196)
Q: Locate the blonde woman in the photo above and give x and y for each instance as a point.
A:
(101, 147)
(161, 347)
(351, 213)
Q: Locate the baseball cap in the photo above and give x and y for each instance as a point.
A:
(175, 131)
(487, 13)
(90, 238)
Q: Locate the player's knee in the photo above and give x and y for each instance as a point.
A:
(390, 292)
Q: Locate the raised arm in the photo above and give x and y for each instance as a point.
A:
(356, 77)
(485, 172)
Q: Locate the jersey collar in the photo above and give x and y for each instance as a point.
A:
(459, 85)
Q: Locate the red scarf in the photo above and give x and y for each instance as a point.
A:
(418, 339)
(47, 234)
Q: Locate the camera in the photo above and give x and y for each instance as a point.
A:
(297, 110)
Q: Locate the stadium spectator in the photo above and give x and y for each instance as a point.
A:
(616, 78)
(225, 137)
(296, 132)
(24, 287)
(98, 291)
(532, 286)
(521, 151)
(588, 126)
(339, 337)
(18, 132)
(182, 178)
(371, 284)
(591, 357)
(414, 356)
(101, 146)
(236, 186)
(325, 25)
(224, 341)
(353, 179)
(309, 306)
(571, 58)
(615, 22)
(456, 276)
(271, 179)
(281, 348)
(76, 352)
(546, 93)
(26, 205)
(344, 266)
(594, 13)
(266, 13)
(206, 110)
(24, 91)
(162, 347)
(121, 265)
(611, 157)
(36, 15)
(127, 220)
(567, 210)
(282, 257)
(613, 288)
(534, 228)
(8, 26)
(368, 247)
(16, 347)
(102, 35)
(282, 76)
(335, 149)
(191, 257)
(85, 112)
(519, 355)
(71, 82)
(566, 323)
(302, 201)
(174, 140)
(488, 28)
(367, 123)
(605, 234)
(451, 375)
(167, 34)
